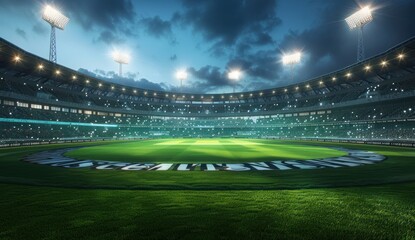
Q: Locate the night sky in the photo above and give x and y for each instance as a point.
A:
(206, 37)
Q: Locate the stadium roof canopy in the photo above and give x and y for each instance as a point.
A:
(22, 63)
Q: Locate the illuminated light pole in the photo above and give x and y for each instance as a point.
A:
(291, 60)
(357, 21)
(56, 20)
(121, 58)
(181, 75)
(234, 75)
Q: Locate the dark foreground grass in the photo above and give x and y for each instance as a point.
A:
(376, 212)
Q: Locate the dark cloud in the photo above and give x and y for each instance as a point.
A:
(260, 65)
(40, 29)
(157, 27)
(225, 23)
(110, 15)
(21, 33)
(128, 80)
(173, 57)
(227, 20)
(110, 38)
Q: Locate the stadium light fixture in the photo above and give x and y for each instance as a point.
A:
(401, 56)
(56, 20)
(234, 75)
(181, 75)
(17, 58)
(357, 21)
(40, 67)
(291, 60)
(121, 58)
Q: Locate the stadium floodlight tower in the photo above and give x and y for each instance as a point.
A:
(121, 58)
(56, 20)
(234, 75)
(181, 75)
(291, 60)
(357, 21)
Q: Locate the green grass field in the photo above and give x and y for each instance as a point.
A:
(366, 202)
(204, 151)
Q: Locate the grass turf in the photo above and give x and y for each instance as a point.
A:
(204, 151)
(363, 212)
(376, 212)
(399, 167)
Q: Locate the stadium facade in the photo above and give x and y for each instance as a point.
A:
(373, 100)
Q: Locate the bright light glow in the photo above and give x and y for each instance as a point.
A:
(74, 77)
(135, 91)
(120, 57)
(348, 74)
(321, 82)
(17, 59)
(401, 56)
(333, 78)
(367, 68)
(291, 58)
(181, 74)
(40, 66)
(308, 86)
(54, 17)
(87, 81)
(100, 85)
(58, 72)
(383, 63)
(234, 74)
(359, 18)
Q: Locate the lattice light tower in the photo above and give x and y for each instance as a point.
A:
(235, 75)
(121, 58)
(56, 20)
(181, 75)
(357, 21)
(291, 60)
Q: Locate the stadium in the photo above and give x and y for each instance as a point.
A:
(329, 157)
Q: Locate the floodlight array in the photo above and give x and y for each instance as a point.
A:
(120, 57)
(234, 74)
(291, 59)
(359, 18)
(54, 17)
(181, 74)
